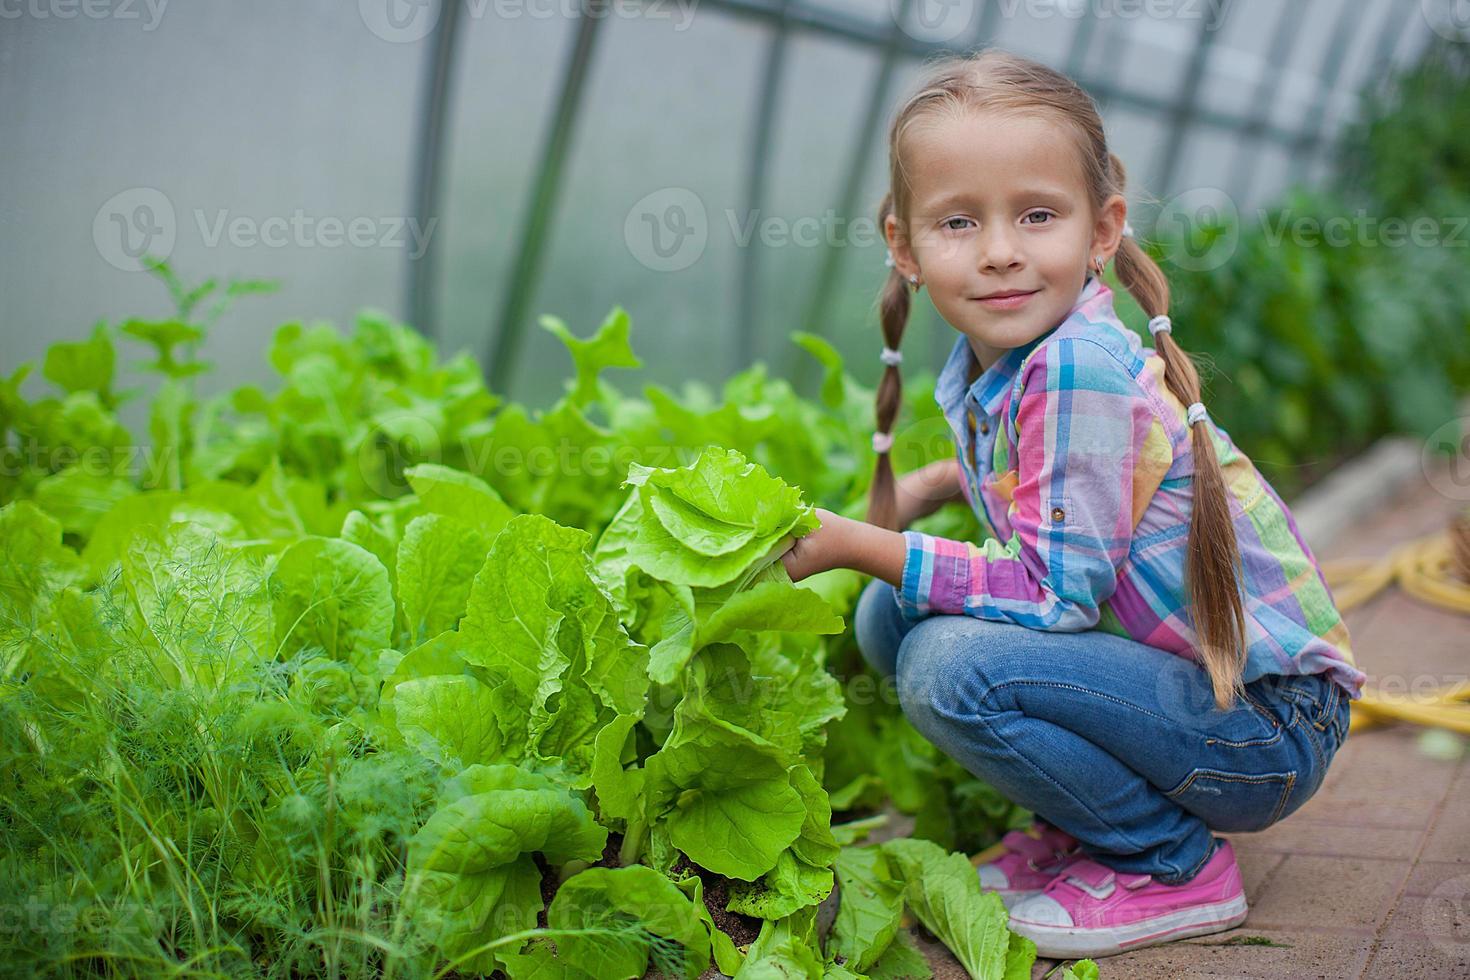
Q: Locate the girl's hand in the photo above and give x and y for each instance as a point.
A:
(821, 550)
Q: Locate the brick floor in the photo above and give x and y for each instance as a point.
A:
(1371, 877)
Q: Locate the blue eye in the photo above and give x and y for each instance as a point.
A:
(1045, 214)
(949, 227)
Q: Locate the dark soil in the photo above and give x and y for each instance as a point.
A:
(741, 928)
(548, 887)
(609, 857)
(848, 816)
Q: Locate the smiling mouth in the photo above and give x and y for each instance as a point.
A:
(1012, 294)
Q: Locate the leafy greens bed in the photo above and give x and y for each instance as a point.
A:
(378, 675)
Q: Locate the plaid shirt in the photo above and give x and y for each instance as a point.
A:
(1088, 498)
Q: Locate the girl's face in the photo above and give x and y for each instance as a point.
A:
(999, 206)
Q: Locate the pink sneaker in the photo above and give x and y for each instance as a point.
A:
(1023, 862)
(1092, 910)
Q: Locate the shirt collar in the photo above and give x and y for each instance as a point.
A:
(991, 386)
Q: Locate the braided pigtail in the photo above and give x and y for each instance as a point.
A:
(893, 315)
(1214, 554)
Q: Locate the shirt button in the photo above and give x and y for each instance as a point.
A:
(1057, 514)
(985, 428)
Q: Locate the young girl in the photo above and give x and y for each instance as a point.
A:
(1146, 651)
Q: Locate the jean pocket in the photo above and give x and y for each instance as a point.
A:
(1343, 719)
(1316, 697)
(1234, 801)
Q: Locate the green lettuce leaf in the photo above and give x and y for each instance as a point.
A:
(330, 594)
(460, 495)
(470, 871)
(869, 910)
(437, 561)
(803, 872)
(538, 667)
(725, 798)
(903, 960)
(608, 897)
(785, 948)
(707, 523)
(942, 890)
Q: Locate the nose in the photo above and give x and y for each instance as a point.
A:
(998, 250)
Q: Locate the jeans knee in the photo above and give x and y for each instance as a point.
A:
(947, 666)
(929, 662)
(876, 627)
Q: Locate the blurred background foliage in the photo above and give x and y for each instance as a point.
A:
(1312, 344)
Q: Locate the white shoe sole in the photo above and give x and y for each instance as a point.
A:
(1064, 942)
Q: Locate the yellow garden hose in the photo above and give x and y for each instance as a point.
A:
(1425, 569)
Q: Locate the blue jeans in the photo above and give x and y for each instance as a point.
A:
(1118, 743)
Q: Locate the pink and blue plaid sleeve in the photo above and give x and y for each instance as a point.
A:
(1086, 466)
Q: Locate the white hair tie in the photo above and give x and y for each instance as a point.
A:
(1127, 230)
(1196, 412)
(888, 258)
(882, 442)
(1160, 322)
(891, 357)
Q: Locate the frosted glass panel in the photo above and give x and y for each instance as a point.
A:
(249, 137)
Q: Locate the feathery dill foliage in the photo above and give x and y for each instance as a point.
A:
(243, 827)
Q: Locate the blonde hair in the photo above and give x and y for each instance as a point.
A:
(994, 80)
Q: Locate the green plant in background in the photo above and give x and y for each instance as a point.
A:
(1410, 144)
(1314, 347)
